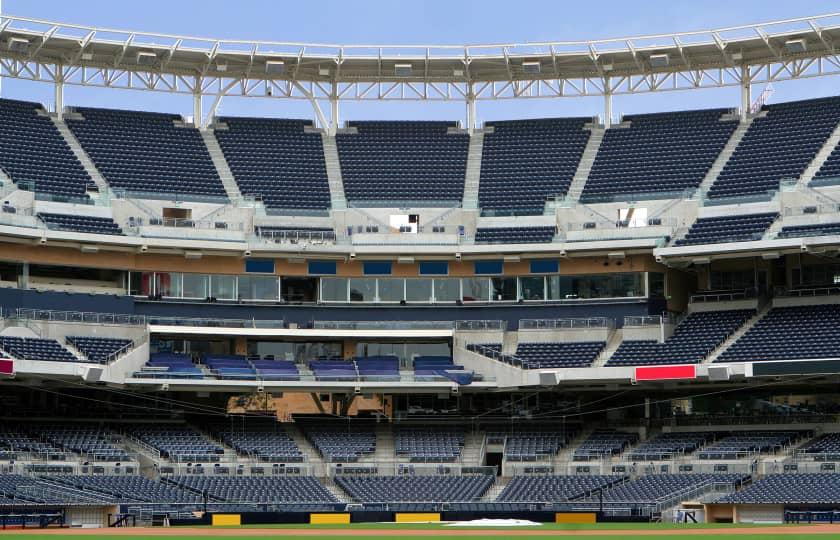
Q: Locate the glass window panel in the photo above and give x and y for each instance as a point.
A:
(504, 289)
(362, 290)
(257, 288)
(532, 287)
(168, 284)
(223, 287)
(447, 290)
(418, 290)
(391, 290)
(333, 290)
(140, 283)
(195, 285)
(475, 289)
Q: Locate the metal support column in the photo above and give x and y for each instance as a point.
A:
(334, 115)
(198, 109)
(746, 92)
(470, 102)
(59, 91)
(608, 108)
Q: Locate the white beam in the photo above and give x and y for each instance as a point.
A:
(746, 92)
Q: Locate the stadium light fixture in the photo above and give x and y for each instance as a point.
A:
(87, 56)
(607, 66)
(659, 60)
(531, 67)
(403, 70)
(192, 255)
(796, 45)
(90, 249)
(737, 57)
(146, 58)
(457, 72)
(221, 66)
(275, 67)
(18, 44)
(324, 71)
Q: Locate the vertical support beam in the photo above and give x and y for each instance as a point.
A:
(23, 281)
(59, 91)
(198, 109)
(470, 102)
(746, 91)
(608, 105)
(335, 117)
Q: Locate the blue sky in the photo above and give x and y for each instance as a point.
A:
(416, 22)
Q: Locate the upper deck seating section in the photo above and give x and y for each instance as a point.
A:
(98, 349)
(776, 147)
(812, 229)
(77, 223)
(403, 162)
(659, 155)
(178, 442)
(746, 443)
(35, 155)
(36, 349)
(826, 447)
(263, 444)
(789, 333)
(430, 444)
(515, 235)
(98, 444)
(342, 444)
(567, 354)
(724, 229)
(603, 443)
(669, 445)
(145, 154)
(277, 161)
(693, 340)
(526, 162)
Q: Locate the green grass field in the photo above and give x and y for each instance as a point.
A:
(662, 531)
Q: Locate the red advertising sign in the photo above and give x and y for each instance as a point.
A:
(665, 373)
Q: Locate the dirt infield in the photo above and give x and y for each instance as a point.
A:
(792, 530)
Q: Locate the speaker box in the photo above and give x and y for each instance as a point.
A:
(549, 379)
(92, 374)
(718, 373)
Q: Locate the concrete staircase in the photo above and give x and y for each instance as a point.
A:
(473, 175)
(612, 345)
(80, 154)
(221, 164)
(821, 157)
(585, 165)
(735, 336)
(385, 447)
(726, 153)
(472, 455)
(310, 453)
(337, 199)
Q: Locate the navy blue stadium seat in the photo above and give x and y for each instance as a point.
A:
(145, 154)
(98, 349)
(659, 155)
(276, 161)
(525, 162)
(716, 230)
(789, 333)
(403, 162)
(777, 147)
(693, 339)
(515, 235)
(35, 155)
(415, 488)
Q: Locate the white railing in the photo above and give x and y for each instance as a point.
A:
(571, 323)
